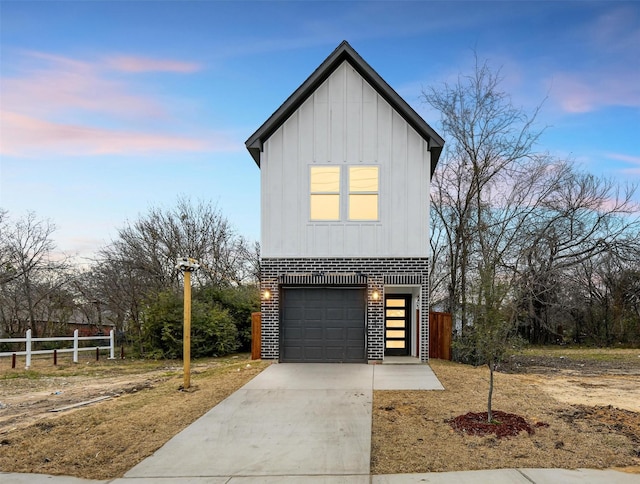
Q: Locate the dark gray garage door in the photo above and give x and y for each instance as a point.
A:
(321, 325)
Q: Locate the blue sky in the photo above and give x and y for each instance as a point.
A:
(110, 107)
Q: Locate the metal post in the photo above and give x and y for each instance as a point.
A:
(55, 357)
(75, 345)
(28, 349)
(112, 345)
(187, 330)
(13, 361)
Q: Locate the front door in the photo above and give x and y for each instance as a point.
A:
(397, 325)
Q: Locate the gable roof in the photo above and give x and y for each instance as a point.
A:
(344, 52)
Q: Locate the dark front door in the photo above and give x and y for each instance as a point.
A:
(323, 325)
(397, 325)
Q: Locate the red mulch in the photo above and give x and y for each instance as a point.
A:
(503, 424)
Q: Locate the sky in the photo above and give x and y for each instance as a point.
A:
(109, 108)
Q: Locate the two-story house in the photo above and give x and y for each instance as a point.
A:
(345, 169)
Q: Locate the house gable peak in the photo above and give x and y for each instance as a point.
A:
(344, 52)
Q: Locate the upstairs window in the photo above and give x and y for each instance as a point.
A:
(329, 189)
(363, 193)
(325, 193)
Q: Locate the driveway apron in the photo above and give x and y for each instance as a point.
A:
(290, 420)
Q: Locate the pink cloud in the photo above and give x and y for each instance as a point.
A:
(633, 160)
(141, 64)
(61, 85)
(611, 78)
(623, 157)
(60, 106)
(588, 91)
(25, 136)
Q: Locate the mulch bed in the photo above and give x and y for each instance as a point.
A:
(503, 424)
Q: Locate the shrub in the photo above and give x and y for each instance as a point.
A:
(213, 332)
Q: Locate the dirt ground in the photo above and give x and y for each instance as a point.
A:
(564, 360)
(585, 402)
(26, 401)
(583, 409)
(583, 376)
(145, 409)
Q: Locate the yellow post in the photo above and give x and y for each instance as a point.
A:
(186, 358)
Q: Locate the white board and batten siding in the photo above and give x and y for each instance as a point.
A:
(345, 122)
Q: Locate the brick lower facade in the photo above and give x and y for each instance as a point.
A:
(374, 273)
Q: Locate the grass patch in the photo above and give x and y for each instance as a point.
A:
(583, 353)
(42, 367)
(25, 374)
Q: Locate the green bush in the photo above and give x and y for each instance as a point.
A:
(213, 332)
(240, 301)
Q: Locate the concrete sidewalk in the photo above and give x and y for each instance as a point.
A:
(304, 423)
(497, 476)
(513, 476)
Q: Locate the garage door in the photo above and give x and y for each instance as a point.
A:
(323, 325)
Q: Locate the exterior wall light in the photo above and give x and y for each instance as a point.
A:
(375, 296)
(266, 295)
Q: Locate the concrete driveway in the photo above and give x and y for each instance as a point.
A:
(295, 420)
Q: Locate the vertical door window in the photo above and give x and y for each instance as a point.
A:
(397, 324)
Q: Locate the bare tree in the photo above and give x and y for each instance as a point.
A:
(600, 300)
(486, 136)
(32, 276)
(7, 272)
(140, 263)
(483, 193)
(154, 242)
(503, 213)
(508, 222)
(118, 288)
(583, 218)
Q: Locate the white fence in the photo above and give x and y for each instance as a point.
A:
(28, 340)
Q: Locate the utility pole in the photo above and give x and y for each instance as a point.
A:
(187, 265)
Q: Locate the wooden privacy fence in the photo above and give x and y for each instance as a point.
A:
(440, 334)
(256, 335)
(28, 340)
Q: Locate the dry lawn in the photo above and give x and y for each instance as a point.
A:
(410, 432)
(104, 440)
